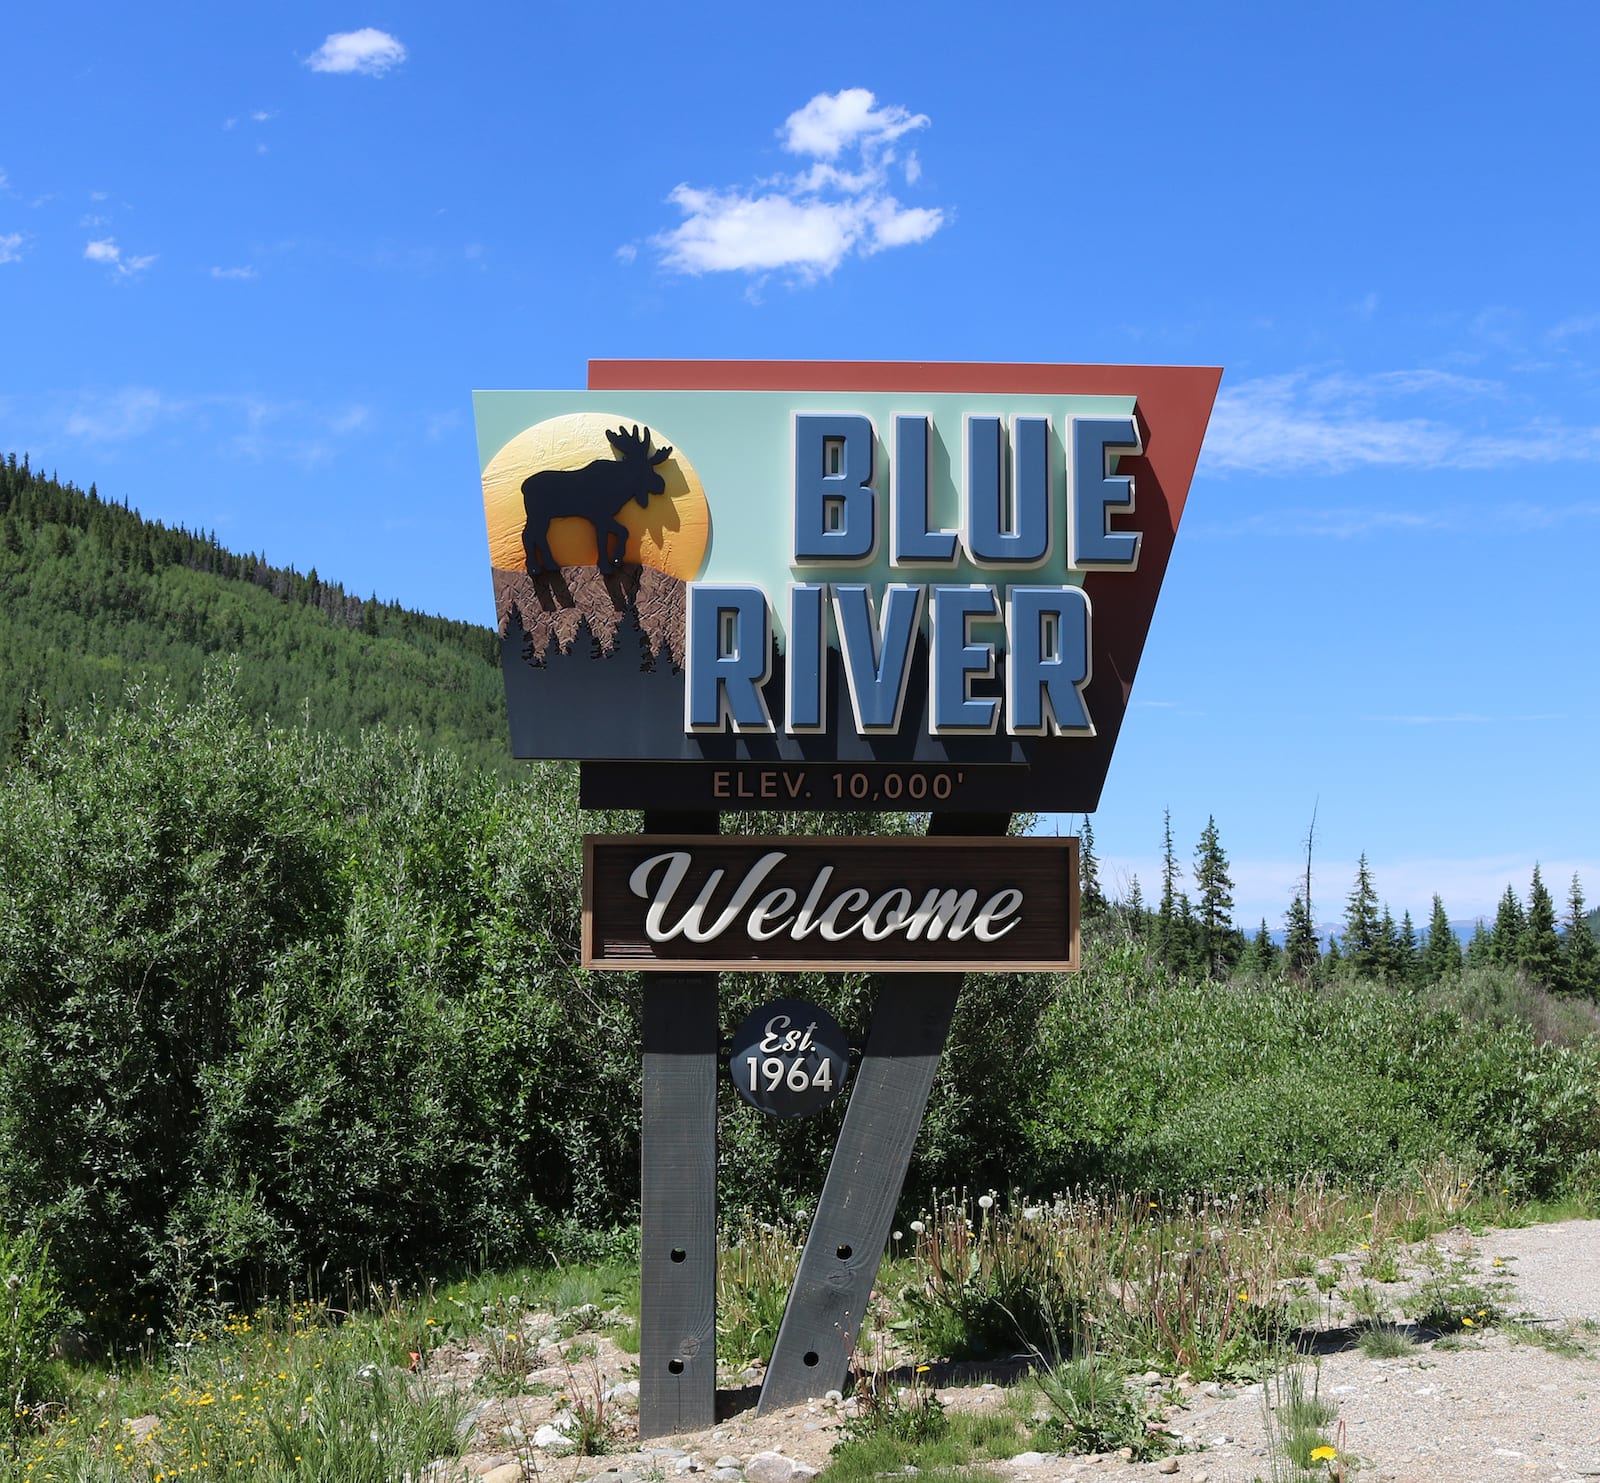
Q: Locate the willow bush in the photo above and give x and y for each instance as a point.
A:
(277, 1007)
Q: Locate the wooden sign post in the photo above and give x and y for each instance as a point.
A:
(678, 1190)
(928, 590)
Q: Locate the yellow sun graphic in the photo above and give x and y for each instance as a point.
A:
(670, 533)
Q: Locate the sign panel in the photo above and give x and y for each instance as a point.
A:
(833, 905)
(825, 578)
(789, 1058)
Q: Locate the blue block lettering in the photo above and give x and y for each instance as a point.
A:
(729, 658)
(951, 708)
(1047, 661)
(912, 541)
(1008, 528)
(1095, 493)
(805, 702)
(835, 514)
(877, 657)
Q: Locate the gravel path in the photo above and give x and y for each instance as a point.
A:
(1475, 1409)
(1490, 1411)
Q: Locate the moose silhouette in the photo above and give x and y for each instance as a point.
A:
(598, 493)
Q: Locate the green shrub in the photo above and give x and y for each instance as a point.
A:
(31, 1317)
(313, 1007)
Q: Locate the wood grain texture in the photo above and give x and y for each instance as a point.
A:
(1040, 930)
(678, 1193)
(845, 1244)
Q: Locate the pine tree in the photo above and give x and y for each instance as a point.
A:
(1262, 959)
(1540, 957)
(1360, 945)
(1386, 948)
(1408, 953)
(1441, 956)
(1136, 910)
(1505, 938)
(1167, 911)
(1214, 922)
(1480, 946)
(1580, 954)
(1091, 900)
(1185, 941)
(1300, 943)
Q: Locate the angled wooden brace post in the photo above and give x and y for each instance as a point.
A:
(839, 1266)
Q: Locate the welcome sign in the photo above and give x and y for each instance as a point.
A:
(659, 902)
(816, 585)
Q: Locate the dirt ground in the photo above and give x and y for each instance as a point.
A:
(1516, 1403)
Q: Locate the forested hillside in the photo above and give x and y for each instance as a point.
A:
(93, 597)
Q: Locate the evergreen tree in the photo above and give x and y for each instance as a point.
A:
(1300, 943)
(1091, 900)
(1215, 938)
(1480, 946)
(1540, 957)
(1386, 948)
(1167, 912)
(1505, 938)
(1360, 946)
(1136, 909)
(1185, 941)
(1580, 954)
(1441, 956)
(1262, 959)
(1408, 957)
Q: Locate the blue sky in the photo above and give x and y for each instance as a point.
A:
(253, 261)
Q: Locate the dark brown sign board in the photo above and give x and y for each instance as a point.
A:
(837, 905)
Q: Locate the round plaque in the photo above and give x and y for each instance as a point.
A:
(789, 1058)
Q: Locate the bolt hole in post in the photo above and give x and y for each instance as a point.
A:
(811, 1358)
(679, 1254)
(675, 1366)
(845, 1253)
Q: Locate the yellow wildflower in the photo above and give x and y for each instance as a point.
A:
(1324, 1454)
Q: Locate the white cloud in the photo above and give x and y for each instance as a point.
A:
(233, 273)
(809, 222)
(105, 250)
(833, 121)
(1330, 422)
(129, 413)
(368, 51)
(11, 247)
(229, 423)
